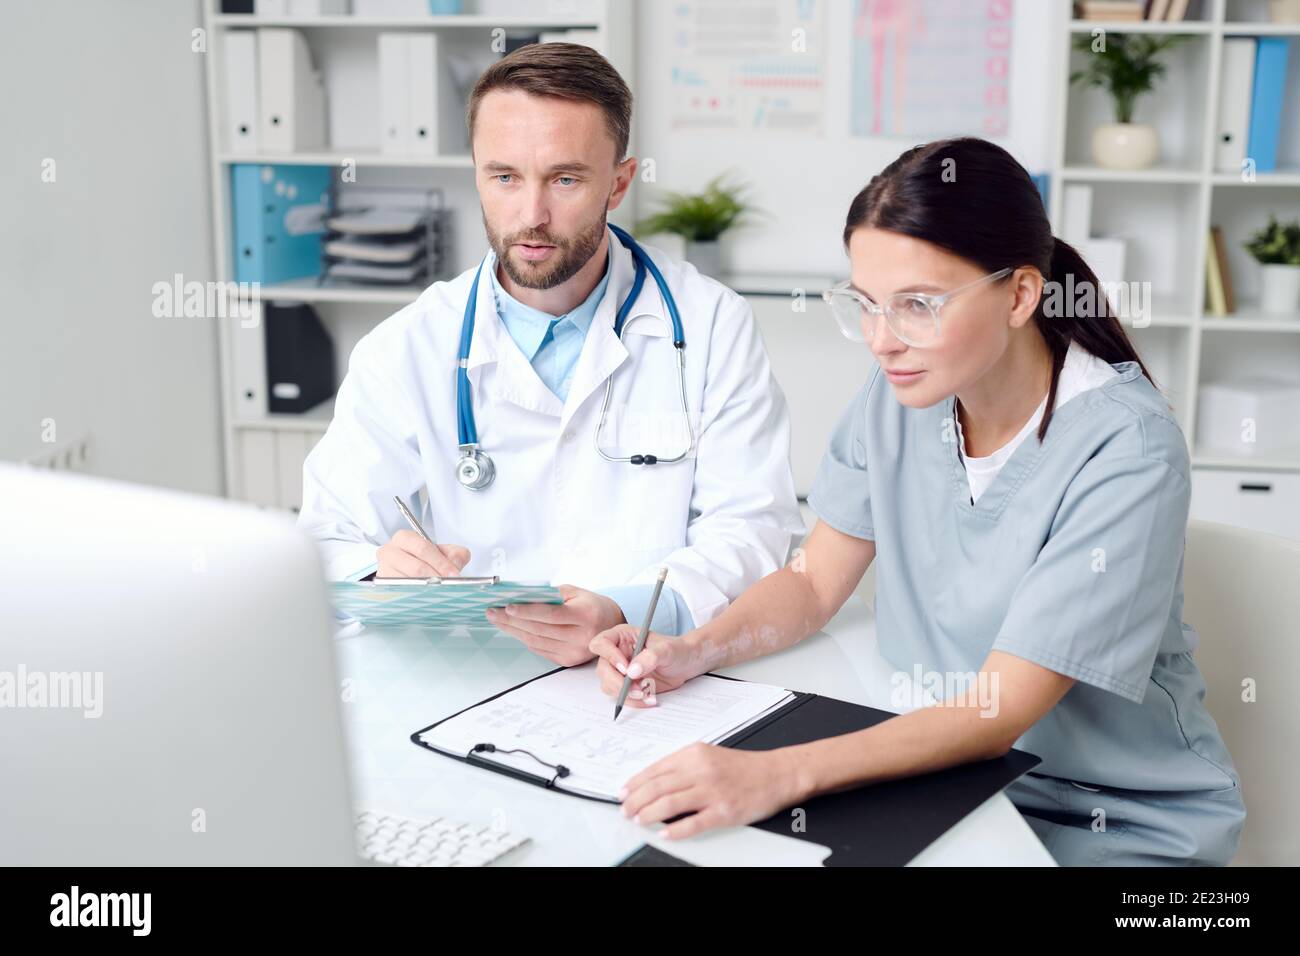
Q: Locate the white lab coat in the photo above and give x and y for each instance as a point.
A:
(719, 520)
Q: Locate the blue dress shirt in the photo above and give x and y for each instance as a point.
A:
(552, 344)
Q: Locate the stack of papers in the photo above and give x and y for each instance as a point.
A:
(382, 252)
(386, 243)
(378, 221)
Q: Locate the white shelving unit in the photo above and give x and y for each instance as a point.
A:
(264, 452)
(1165, 214)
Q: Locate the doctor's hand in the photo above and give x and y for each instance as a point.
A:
(560, 632)
(409, 556)
(663, 664)
(717, 786)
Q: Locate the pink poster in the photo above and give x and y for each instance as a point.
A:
(924, 69)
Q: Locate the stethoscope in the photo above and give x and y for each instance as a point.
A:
(475, 469)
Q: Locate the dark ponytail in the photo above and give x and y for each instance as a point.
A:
(971, 198)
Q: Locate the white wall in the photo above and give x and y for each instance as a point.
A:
(805, 184)
(111, 91)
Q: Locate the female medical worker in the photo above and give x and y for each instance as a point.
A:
(1023, 489)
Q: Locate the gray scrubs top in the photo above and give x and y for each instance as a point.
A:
(1072, 559)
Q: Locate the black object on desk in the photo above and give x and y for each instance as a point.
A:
(885, 824)
(648, 855)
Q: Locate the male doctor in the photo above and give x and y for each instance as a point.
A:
(549, 128)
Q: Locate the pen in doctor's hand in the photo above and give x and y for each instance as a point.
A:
(414, 554)
(410, 518)
(640, 640)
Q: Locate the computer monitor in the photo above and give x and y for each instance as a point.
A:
(168, 691)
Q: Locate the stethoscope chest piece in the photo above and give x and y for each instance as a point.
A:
(474, 470)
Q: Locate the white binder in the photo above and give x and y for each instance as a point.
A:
(1235, 88)
(425, 82)
(317, 8)
(390, 8)
(292, 97)
(248, 367)
(553, 9)
(394, 94)
(241, 90)
(591, 38)
(271, 8)
(1077, 213)
(257, 479)
(290, 455)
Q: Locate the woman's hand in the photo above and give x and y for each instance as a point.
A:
(719, 786)
(663, 664)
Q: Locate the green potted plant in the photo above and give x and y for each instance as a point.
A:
(700, 219)
(1276, 248)
(1126, 67)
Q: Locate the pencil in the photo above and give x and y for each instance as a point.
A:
(640, 641)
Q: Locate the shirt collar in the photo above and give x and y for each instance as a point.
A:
(488, 332)
(528, 326)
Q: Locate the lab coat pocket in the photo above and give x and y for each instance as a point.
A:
(655, 518)
(658, 534)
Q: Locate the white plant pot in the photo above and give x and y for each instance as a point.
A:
(1279, 292)
(1125, 145)
(1284, 11)
(705, 256)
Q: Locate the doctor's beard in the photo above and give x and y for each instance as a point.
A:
(572, 253)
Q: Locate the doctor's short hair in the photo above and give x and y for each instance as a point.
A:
(568, 71)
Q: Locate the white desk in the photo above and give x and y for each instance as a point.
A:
(397, 682)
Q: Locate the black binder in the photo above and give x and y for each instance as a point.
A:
(884, 824)
(299, 358)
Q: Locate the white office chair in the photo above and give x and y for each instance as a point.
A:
(1242, 593)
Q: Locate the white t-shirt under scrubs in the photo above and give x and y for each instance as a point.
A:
(1080, 371)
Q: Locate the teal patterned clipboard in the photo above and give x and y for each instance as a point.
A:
(401, 605)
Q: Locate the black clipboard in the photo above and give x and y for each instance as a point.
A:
(884, 824)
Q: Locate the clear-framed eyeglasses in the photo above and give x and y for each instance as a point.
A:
(912, 316)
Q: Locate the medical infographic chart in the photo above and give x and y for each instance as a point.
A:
(400, 605)
(747, 64)
(926, 69)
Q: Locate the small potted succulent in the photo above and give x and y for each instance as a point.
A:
(1126, 67)
(1276, 248)
(700, 219)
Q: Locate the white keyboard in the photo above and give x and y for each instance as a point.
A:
(400, 841)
